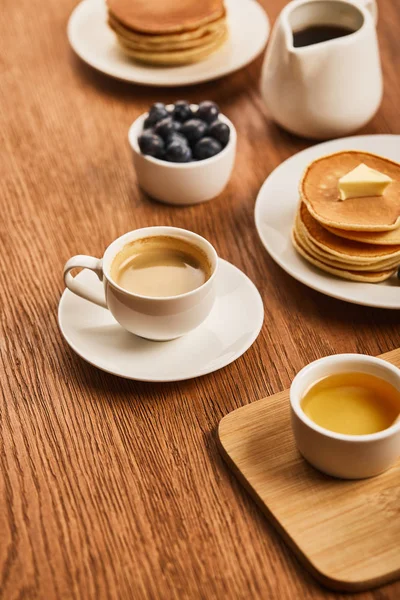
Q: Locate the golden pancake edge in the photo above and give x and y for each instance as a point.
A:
(334, 261)
(165, 41)
(348, 250)
(382, 238)
(365, 276)
(176, 57)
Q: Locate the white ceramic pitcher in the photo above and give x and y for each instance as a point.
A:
(329, 89)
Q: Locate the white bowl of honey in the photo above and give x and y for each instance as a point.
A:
(345, 412)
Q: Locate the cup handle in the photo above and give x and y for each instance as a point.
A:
(81, 290)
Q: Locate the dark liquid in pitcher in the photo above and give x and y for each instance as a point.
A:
(317, 34)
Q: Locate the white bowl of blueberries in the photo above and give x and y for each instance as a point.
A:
(183, 153)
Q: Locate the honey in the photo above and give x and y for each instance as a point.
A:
(352, 403)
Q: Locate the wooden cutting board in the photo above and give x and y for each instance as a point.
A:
(346, 533)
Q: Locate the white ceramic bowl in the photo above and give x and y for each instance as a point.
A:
(182, 183)
(340, 455)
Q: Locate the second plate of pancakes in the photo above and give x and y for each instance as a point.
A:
(279, 220)
(219, 46)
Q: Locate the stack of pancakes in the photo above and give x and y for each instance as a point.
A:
(168, 32)
(358, 238)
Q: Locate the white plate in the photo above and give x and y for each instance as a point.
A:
(275, 211)
(230, 329)
(95, 43)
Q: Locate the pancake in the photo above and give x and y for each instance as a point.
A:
(155, 41)
(179, 57)
(167, 32)
(319, 190)
(172, 46)
(165, 16)
(348, 250)
(364, 276)
(384, 238)
(333, 261)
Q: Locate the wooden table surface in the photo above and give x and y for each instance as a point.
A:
(113, 488)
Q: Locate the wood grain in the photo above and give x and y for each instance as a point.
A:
(346, 533)
(116, 489)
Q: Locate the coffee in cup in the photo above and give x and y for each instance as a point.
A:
(160, 266)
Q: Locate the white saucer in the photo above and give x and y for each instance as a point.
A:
(226, 334)
(95, 43)
(275, 211)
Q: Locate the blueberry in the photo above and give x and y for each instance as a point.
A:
(178, 152)
(220, 132)
(206, 147)
(167, 126)
(176, 137)
(151, 144)
(193, 130)
(156, 113)
(398, 274)
(208, 111)
(148, 123)
(182, 111)
(157, 106)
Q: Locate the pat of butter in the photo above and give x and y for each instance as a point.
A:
(363, 181)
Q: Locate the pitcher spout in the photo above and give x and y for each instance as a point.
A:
(311, 22)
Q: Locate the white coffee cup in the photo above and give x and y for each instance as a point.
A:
(339, 454)
(154, 318)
